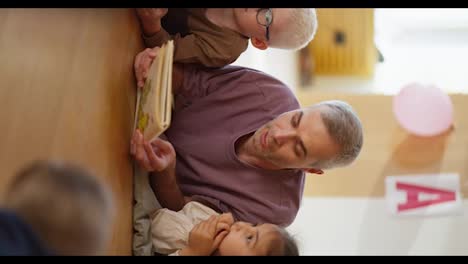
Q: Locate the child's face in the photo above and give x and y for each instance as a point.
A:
(246, 239)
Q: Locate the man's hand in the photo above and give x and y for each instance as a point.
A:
(142, 64)
(205, 238)
(158, 155)
(150, 19)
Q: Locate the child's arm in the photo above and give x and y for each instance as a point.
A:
(150, 19)
(205, 238)
(208, 49)
(153, 33)
(203, 48)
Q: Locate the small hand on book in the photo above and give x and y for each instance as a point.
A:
(142, 65)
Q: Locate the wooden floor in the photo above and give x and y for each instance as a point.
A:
(389, 150)
(67, 92)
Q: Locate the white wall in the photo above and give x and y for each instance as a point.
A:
(358, 226)
(279, 63)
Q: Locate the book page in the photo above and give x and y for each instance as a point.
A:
(166, 97)
(155, 99)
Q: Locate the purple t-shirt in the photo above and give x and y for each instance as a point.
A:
(212, 110)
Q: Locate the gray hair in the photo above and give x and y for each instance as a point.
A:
(301, 27)
(345, 128)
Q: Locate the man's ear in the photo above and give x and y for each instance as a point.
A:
(259, 44)
(312, 170)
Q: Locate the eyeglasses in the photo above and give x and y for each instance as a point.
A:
(265, 18)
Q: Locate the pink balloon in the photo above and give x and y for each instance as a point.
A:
(423, 110)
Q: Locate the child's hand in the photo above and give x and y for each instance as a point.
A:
(150, 19)
(151, 13)
(142, 64)
(205, 238)
(155, 156)
(225, 222)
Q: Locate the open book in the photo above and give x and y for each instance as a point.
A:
(154, 101)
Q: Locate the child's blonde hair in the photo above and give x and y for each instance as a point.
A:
(69, 208)
(298, 30)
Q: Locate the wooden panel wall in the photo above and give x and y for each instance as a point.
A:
(344, 42)
(389, 150)
(67, 92)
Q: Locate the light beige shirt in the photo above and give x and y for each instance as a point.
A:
(170, 230)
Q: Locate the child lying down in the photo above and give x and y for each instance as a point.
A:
(199, 230)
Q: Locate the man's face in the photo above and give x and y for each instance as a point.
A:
(295, 139)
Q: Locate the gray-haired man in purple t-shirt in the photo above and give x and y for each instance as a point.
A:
(243, 143)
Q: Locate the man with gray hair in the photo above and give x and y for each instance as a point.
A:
(243, 143)
(215, 37)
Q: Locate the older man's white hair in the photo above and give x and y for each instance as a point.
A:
(299, 29)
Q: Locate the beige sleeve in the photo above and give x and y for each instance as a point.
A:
(197, 212)
(170, 229)
(175, 253)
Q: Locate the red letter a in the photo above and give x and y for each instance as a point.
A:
(412, 192)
